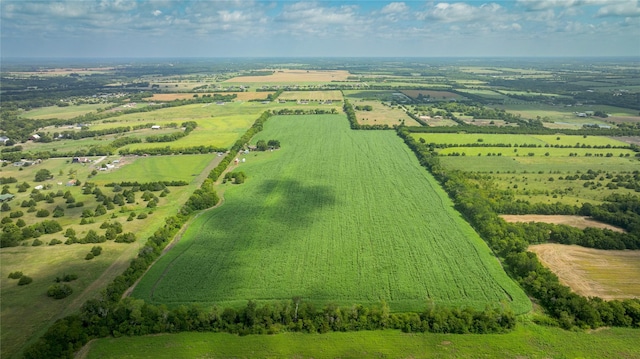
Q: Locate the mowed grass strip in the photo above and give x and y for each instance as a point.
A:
(527, 341)
(506, 139)
(535, 164)
(335, 216)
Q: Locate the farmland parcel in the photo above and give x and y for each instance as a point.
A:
(357, 221)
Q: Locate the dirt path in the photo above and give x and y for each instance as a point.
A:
(573, 221)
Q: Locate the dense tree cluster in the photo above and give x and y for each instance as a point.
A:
(188, 127)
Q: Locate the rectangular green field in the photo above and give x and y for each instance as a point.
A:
(538, 151)
(506, 139)
(539, 163)
(334, 216)
(156, 168)
(527, 341)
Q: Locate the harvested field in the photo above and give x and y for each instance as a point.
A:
(244, 96)
(573, 221)
(593, 272)
(296, 76)
(634, 140)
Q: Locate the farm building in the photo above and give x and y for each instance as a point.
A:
(34, 137)
(155, 127)
(80, 160)
(4, 139)
(71, 183)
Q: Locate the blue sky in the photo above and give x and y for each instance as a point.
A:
(243, 28)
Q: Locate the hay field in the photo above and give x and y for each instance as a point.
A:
(607, 274)
(573, 221)
(296, 76)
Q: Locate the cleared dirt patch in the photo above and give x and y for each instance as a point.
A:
(593, 272)
(296, 76)
(573, 221)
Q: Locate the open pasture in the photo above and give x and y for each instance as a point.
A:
(524, 163)
(382, 114)
(538, 151)
(296, 76)
(526, 341)
(608, 274)
(508, 139)
(62, 113)
(581, 222)
(157, 168)
(548, 187)
(333, 95)
(563, 115)
(317, 220)
(242, 96)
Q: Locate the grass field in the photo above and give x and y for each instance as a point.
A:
(62, 113)
(316, 221)
(433, 94)
(493, 139)
(607, 274)
(527, 341)
(535, 164)
(157, 168)
(538, 151)
(488, 94)
(243, 96)
(311, 95)
(562, 115)
(382, 114)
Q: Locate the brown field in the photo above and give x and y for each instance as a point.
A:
(382, 114)
(634, 140)
(623, 119)
(438, 121)
(593, 272)
(64, 71)
(573, 221)
(311, 95)
(244, 96)
(296, 76)
(433, 94)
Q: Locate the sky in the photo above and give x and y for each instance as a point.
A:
(375, 28)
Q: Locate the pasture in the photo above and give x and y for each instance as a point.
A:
(382, 114)
(508, 139)
(526, 341)
(608, 274)
(316, 220)
(534, 164)
(63, 113)
(566, 116)
(157, 168)
(242, 96)
(333, 95)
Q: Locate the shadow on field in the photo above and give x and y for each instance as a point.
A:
(250, 248)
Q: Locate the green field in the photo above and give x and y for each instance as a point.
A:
(494, 139)
(157, 168)
(538, 163)
(538, 151)
(527, 341)
(317, 221)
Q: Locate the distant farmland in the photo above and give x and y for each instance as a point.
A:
(357, 221)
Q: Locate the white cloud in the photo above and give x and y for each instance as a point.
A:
(625, 9)
(157, 13)
(394, 7)
(536, 5)
(460, 12)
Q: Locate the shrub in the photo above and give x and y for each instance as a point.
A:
(16, 214)
(96, 251)
(142, 216)
(66, 278)
(24, 280)
(42, 213)
(59, 291)
(54, 241)
(89, 256)
(15, 275)
(36, 242)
